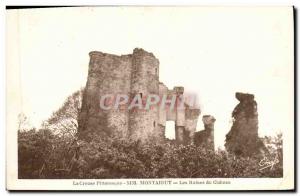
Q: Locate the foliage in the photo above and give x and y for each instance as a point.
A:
(64, 121)
(24, 122)
(41, 154)
(45, 155)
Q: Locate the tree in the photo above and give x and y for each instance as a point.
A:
(24, 123)
(64, 121)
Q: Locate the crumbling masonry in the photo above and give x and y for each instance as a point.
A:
(242, 139)
(206, 137)
(131, 74)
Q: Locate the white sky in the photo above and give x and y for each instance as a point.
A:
(211, 51)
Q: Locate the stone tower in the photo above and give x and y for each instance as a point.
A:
(108, 74)
(144, 81)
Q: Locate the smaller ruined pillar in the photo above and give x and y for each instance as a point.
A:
(191, 119)
(179, 115)
(205, 137)
(209, 123)
(242, 139)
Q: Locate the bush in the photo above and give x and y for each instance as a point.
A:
(45, 155)
(42, 154)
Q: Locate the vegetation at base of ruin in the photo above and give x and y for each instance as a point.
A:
(54, 152)
(43, 154)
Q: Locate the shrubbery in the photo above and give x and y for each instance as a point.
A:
(45, 155)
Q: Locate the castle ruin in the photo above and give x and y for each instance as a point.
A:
(132, 74)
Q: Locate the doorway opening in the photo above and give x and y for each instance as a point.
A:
(170, 130)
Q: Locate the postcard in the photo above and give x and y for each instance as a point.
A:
(156, 98)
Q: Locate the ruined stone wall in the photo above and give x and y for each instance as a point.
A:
(185, 118)
(162, 114)
(205, 137)
(191, 119)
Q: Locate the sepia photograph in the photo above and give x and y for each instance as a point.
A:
(150, 98)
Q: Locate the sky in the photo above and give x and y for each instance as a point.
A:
(210, 51)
